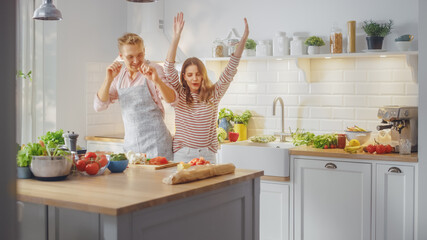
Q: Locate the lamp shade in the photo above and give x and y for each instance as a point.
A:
(47, 11)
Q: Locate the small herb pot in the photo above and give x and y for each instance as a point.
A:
(24, 172)
(375, 42)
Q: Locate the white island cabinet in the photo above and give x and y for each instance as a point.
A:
(274, 210)
(332, 199)
(395, 202)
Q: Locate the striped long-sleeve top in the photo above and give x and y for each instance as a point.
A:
(196, 125)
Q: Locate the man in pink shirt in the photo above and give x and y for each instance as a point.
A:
(139, 86)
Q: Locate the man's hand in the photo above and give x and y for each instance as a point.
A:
(149, 72)
(113, 70)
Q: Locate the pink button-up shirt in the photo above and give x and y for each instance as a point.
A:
(128, 82)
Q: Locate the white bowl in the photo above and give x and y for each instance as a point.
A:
(403, 45)
(362, 137)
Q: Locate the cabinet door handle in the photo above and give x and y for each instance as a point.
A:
(394, 170)
(330, 165)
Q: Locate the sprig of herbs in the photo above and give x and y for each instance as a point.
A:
(375, 29)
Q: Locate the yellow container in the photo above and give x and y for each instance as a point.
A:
(242, 130)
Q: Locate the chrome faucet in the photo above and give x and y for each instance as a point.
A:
(282, 105)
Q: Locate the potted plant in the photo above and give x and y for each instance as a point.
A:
(314, 43)
(250, 46)
(224, 120)
(376, 33)
(241, 123)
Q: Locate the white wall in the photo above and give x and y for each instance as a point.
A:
(422, 132)
(209, 19)
(87, 34)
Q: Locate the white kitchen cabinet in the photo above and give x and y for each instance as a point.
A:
(274, 210)
(93, 146)
(332, 200)
(394, 202)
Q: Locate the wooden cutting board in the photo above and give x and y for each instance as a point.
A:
(157, 167)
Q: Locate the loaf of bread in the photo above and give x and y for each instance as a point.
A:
(199, 172)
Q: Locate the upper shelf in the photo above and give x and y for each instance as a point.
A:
(304, 61)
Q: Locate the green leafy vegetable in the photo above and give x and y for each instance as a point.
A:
(221, 134)
(320, 141)
(301, 137)
(226, 113)
(118, 157)
(26, 154)
(24, 75)
(375, 29)
(250, 44)
(244, 118)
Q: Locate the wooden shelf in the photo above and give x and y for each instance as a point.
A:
(304, 61)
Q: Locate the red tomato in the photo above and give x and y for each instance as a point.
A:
(81, 165)
(332, 145)
(388, 148)
(380, 149)
(92, 168)
(325, 147)
(102, 160)
(158, 161)
(90, 155)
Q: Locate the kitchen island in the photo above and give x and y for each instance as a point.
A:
(137, 205)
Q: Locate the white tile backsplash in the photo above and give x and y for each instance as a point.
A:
(342, 92)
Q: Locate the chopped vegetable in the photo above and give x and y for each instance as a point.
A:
(263, 139)
(221, 134)
(301, 137)
(118, 157)
(320, 141)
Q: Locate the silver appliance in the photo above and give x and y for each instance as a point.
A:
(403, 122)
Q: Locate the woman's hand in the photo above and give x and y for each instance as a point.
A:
(178, 24)
(241, 45)
(149, 72)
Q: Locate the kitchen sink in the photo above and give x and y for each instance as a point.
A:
(272, 158)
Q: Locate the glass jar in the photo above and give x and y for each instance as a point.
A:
(218, 48)
(336, 40)
(262, 48)
(297, 46)
(341, 141)
(231, 44)
(280, 44)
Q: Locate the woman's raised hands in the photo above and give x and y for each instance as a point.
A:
(239, 49)
(178, 24)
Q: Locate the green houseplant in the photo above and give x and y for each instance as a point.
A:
(314, 43)
(376, 32)
(250, 46)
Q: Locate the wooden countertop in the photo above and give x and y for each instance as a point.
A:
(112, 138)
(119, 193)
(340, 153)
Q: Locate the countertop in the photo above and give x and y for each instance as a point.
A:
(340, 153)
(107, 138)
(119, 193)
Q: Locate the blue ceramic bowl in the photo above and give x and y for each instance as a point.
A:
(118, 166)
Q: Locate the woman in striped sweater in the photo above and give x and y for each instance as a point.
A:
(196, 109)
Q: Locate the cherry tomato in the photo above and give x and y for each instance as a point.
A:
(90, 155)
(325, 147)
(102, 160)
(158, 161)
(92, 168)
(81, 165)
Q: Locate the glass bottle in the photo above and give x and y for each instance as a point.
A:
(218, 48)
(231, 44)
(297, 45)
(336, 40)
(280, 44)
(262, 48)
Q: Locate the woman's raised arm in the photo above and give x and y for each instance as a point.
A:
(178, 25)
(239, 49)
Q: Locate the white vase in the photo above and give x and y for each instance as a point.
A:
(313, 50)
(248, 52)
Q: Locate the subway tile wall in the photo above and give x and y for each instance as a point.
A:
(342, 92)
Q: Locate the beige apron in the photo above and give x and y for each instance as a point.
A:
(145, 130)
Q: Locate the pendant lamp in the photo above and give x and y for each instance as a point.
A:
(47, 11)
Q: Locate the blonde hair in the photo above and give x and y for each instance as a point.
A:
(206, 87)
(129, 39)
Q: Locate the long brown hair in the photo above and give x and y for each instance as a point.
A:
(206, 87)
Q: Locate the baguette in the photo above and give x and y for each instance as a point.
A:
(199, 172)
